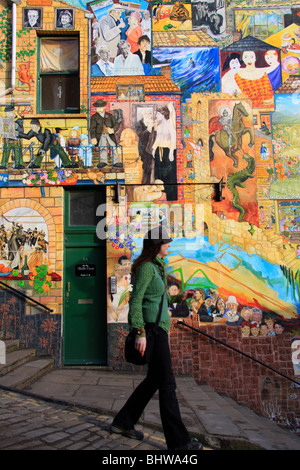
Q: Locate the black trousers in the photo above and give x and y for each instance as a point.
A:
(160, 377)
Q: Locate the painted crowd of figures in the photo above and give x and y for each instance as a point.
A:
(209, 307)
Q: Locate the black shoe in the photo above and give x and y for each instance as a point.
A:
(194, 444)
(2, 167)
(118, 165)
(72, 166)
(101, 165)
(20, 167)
(131, 433)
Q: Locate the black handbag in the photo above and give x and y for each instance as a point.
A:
(132, 355)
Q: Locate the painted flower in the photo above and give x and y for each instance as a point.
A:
(279, 166)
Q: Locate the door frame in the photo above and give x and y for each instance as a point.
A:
(88, 238)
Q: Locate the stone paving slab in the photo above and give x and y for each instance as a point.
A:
(216, 420)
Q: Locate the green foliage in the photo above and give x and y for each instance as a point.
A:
(6, 39)
(293, 280)
(5, 35)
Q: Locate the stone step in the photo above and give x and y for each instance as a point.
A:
(227, 424)
(27, 373)
(12, 345)
(15, 359)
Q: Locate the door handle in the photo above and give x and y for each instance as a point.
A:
(59, 92)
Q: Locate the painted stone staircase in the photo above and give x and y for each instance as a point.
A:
(289, 254)
(23, 367)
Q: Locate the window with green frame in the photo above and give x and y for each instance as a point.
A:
(58, 75)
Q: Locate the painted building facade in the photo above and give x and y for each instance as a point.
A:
(119, 116)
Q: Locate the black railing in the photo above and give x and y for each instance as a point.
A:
(18, 157)
(180, 322)
(21, 294)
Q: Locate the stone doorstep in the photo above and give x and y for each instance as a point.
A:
(16, 358)
(27, 373)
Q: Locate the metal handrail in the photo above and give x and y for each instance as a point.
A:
(26, 297)
(180, 322)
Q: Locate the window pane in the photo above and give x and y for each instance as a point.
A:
(83, 206)
(60, 93)
(59, 55)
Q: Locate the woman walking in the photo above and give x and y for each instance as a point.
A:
(150, 282)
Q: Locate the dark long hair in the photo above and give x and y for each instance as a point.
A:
(149, 253)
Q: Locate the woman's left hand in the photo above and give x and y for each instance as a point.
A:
(140, 345)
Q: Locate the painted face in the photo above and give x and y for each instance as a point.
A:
(256, 315)
(144, 45)
(234, 64)
(125, 50)
(264, 330)
(232, 307)
(104, 54)
(173, 290)
(278, 329)
(271, 58)
(249, 57)
(35, 127)
(246, 331)
(198, 295)
(65, 20)
(100, 110)
(254, 331)
(246, 314)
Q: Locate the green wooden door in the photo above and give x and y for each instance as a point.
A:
(84, 281)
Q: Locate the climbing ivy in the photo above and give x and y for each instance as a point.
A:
(6, 39)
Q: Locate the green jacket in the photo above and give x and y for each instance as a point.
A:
(149, 285)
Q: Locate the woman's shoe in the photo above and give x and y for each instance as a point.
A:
(131, 433)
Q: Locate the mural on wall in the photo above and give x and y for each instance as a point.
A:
(209, 15)
(231, 286)
(288, 41)
(232, 158)
(286, 147)
(24, 250)
(149, 141)
(251, 143)
(121, 40)
(252, 67)
(192, 69)
(169, 16)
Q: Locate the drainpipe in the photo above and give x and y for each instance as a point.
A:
(13, 47)
(89, 16)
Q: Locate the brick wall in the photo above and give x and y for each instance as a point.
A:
(227, 371)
